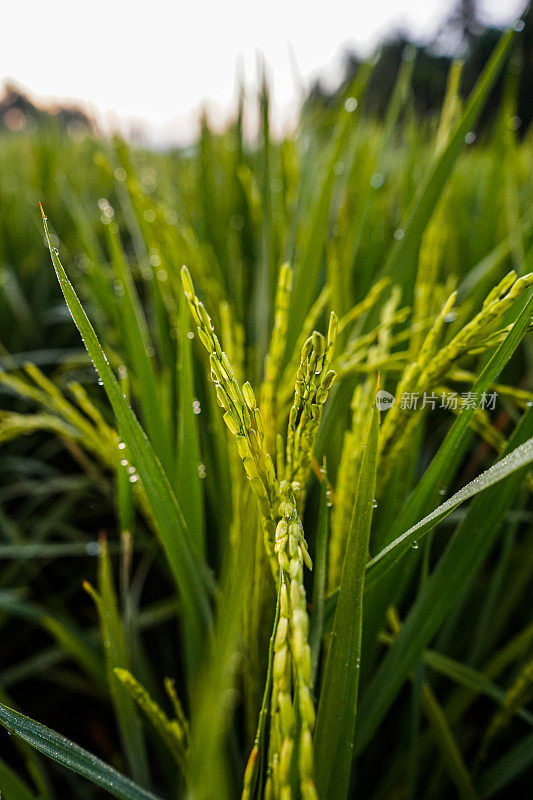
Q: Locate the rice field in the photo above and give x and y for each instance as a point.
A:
(266, 435)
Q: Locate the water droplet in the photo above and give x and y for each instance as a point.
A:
(190, 335)
(377, 180)
(196, 407)
(131, 470)
(399, 233)
(519, 25)
(92, 548)
(442, 492)
(470, 137)
(124, 462)
(415, 545)
(450, 317)
(121, 446)
(134, 478)
(202, 472)
(374, 503)
(350, 104)
(100, 382)
(120, 174)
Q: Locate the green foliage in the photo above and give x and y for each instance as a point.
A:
(313, 622)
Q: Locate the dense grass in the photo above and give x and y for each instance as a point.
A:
(157, 601)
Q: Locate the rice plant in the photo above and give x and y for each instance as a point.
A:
(234, 546)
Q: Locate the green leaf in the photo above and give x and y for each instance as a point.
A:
(402, 260)
(386, 558)
(74, 645)
(336, 720)
(189, 573)
(440, 472)
(171, 732)
(213, 700)
(308, 263)
(71, 756)
(453, 448)
(449, 748)
(116, 653)
(189, 484)
(510, 766)
(464, 554)
(138, 345)
(316, 623)
(469, 678)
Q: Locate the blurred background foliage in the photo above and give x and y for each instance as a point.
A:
(235, 210)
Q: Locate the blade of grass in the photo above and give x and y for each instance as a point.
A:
(189, 484)
(453, 448)
(337, 709)
(459, 562)
(308, 264)
(449, 748)
(401, 260)
(316, 623)
(116, 654)
(137, 342)
(506, 769)
(171, 732)
(189, 573)
(213, 698)
(439, 473)
(386, 558)
(71, 756)
(470, 678)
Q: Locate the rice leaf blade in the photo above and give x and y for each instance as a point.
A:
(337, 710)
(188, 572)
(401, 260)
(461, 558)
(316, 623)
(71, 756)
(189, 483)
(386, 558)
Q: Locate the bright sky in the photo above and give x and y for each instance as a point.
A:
(160, 60)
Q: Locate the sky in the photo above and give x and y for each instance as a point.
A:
(157, 63)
